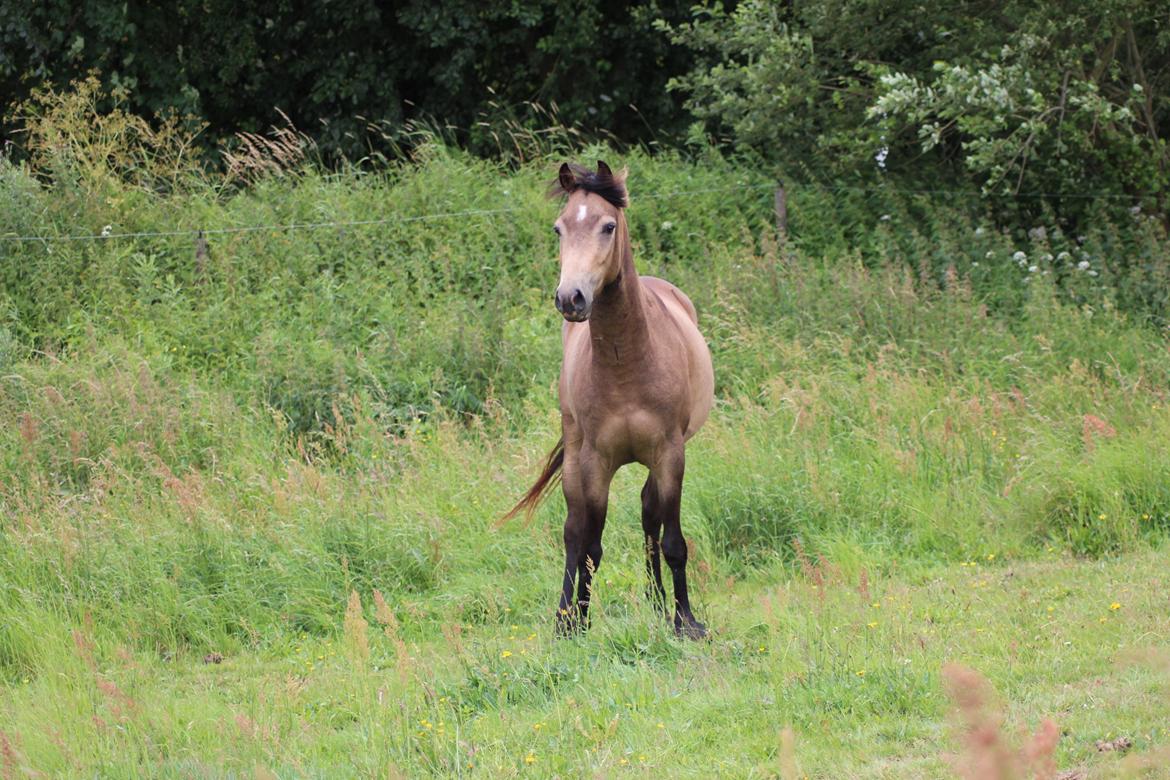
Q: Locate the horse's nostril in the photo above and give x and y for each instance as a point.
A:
(578, 299)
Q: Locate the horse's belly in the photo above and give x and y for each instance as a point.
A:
(702, 386)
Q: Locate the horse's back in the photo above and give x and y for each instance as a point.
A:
(701, 372)
(672, 296)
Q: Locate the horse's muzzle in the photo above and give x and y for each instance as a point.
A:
(573, 305)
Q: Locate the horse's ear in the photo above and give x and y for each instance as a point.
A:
(565, 177)
(603, 169)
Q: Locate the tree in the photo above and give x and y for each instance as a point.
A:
(1060, 98)
(335, 68)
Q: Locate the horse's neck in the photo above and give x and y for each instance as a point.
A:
(618, 325)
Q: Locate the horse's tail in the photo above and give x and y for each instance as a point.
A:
(544, 483)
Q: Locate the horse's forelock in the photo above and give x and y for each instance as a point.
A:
(610, 186)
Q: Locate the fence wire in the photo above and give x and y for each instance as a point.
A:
(108, 234)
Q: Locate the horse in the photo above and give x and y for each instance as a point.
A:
(636, 384)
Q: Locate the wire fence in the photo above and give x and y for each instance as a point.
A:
(107, 234)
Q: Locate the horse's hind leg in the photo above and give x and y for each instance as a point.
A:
(668, 475)
(652, 528)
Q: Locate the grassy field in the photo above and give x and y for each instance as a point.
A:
(248, 496)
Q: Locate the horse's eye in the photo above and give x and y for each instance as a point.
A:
(609, 227)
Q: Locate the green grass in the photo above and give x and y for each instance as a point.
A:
(219, 460)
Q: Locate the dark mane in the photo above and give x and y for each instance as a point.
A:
(602, 182)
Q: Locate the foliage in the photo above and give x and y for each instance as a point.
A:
(378, 314)
(1049, 108)
(248, 489)
(337, 68)
(75, 142)
(1010, 98)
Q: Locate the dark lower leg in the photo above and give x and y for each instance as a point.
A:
(589, 564)
(674, 549)
(567, 621)
(652, 527)
(583, 527)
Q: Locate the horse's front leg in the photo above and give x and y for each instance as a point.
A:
(585, 481)
(667, 475)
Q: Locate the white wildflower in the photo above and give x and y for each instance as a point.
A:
(107, 230)
(1083, 265)
(667, 225)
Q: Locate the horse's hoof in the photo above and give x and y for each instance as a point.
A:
(691, 629)
(568, 624)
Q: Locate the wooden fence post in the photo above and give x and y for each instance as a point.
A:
(781, 208)
(782, 218)
(200, 257)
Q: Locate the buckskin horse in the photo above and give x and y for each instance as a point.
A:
(636, 384)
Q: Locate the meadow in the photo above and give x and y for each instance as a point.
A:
(249, 490)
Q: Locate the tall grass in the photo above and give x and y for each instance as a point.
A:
(228, 450)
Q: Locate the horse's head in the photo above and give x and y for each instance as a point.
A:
(593, 235)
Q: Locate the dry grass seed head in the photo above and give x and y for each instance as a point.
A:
(986, 753)
(385, 615)
(1093, 428)
(256, 156)
(356, 630)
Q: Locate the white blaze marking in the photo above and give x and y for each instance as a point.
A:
(581, 213)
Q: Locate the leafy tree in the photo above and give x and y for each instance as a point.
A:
(335, 68)
(1013, 97)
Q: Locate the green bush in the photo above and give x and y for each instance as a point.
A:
(1022, 101)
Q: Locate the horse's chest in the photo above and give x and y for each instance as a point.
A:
(630, 434)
